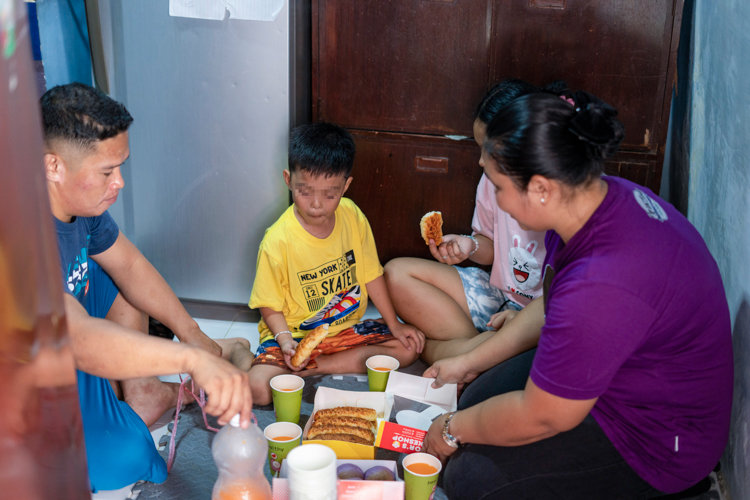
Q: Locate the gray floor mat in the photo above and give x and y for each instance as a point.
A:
(194, 472)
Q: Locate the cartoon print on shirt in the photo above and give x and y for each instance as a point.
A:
(524, 266)
(332, 291)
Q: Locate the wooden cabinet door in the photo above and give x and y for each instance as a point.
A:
(416, 66)
(616, 49)
(399, 178)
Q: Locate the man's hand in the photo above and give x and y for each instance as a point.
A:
(228, 388)
(455, 370)
(288, 349)
(453, 250)
(196, 338)
(409, 336)
(501, 318)
(434, 444)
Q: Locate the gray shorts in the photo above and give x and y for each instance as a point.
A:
(484, 299)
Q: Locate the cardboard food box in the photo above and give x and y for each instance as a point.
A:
(412, 421)
(352, 490)
(326, 398)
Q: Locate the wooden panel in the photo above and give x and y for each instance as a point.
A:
(417, 66)
(394, 193)
(617, 50)
(640, 169)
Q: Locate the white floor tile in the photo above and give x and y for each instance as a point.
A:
(214, 328)
(121, 494)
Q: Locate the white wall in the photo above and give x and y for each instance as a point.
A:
(719, 199)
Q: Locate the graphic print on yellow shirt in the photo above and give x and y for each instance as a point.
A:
(338, 277)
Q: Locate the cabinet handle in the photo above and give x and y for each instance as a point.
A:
(547, 4)
(431, 164)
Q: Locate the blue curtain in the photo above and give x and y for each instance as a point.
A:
(64, 40)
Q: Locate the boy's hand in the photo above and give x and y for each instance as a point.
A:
(453, 250)
(288, 349)
(409, 336)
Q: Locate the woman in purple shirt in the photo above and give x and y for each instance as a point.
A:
(617, 383)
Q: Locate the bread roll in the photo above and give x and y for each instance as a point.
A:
(341, 433)
(431, 226)
(310, 342)
(357, 423)
(347, 411)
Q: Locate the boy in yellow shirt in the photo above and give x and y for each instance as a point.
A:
(318, 264)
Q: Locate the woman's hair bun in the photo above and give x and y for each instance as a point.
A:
(558, 88)
(595, 123)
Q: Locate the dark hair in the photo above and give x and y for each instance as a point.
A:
(541, 134)
(321, 149)
(508, 91)
(82, 115)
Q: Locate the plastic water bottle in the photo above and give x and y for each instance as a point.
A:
(240, 455)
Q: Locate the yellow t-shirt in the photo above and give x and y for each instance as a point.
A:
(314, 281)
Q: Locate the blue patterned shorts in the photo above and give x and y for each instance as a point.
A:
(484, 299)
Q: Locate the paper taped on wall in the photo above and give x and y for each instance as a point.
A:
(251, 10)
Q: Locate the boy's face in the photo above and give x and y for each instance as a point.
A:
(316, 198)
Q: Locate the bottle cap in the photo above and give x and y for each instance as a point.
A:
(235, 422)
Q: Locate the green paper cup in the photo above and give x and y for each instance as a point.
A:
(378, 369)
(287, 397)
(421, 486)
(282, 437)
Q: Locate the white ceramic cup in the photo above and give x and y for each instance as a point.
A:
(312, 472)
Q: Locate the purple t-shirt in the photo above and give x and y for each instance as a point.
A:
(636, 316)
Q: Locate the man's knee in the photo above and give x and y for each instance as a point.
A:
(132, 459)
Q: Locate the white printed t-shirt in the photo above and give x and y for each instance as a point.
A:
(519, 254)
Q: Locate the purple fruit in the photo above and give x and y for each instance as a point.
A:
(349, 472)
(379, 473)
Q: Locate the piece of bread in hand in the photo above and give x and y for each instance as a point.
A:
(431, 226)
(347, 411)
(307, 344)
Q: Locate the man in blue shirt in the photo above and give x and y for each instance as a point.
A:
(86, 143)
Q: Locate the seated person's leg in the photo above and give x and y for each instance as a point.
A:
(268, 363)
(510, 375)
(149, 397)
(237, 351)
(119, 447)
(430, 296)
(348, 351)
(580, 463)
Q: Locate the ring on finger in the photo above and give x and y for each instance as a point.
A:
(445, 256)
